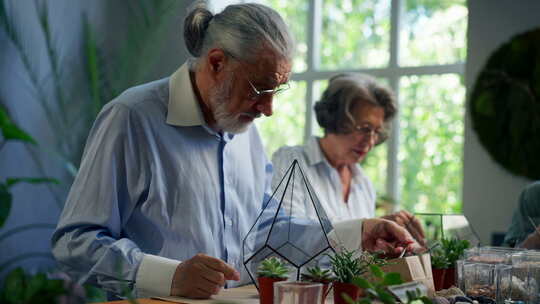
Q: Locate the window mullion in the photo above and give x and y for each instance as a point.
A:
(313, 30)
(392, 169)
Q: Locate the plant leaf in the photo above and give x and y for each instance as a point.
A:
(385, 297)
(11, 131)
(392, 278)
(36, 285)
(361, 282)
(5, 204)
(14, 286)
(10, 181)
(376, 271)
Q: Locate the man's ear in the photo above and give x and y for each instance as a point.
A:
(217, 60)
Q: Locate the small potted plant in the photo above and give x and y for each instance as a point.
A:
(443, 262)
(317, 275)
(270, 271)
(346, 267)
(439, 264)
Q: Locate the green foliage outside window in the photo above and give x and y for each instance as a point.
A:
(430, 152)
(434, 32)
(356, 35)
(286, 126)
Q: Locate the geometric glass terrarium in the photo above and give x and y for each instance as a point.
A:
(450, 226)
(292, 226)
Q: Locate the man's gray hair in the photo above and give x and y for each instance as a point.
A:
(240, 30)
(344, 93)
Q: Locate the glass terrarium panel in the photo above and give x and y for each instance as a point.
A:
(433, 32)
(457, 226)
(292, 226)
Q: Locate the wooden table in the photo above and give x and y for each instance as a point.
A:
(241, 295)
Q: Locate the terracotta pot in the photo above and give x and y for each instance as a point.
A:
(439, 276)
(266, 289)
(353, 291)
(449, 278)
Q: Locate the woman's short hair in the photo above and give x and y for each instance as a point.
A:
(346, 92)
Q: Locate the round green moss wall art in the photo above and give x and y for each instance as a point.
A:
(505, 105)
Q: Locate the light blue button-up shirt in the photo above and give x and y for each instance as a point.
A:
(155, 179)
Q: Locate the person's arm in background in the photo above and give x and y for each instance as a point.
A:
(521, 228)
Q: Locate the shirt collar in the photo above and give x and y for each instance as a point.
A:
(313, 151)
(315, 156)
(183, 109)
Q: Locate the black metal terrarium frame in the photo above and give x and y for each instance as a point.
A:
(287, 249)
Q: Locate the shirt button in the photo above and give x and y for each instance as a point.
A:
(228, 221)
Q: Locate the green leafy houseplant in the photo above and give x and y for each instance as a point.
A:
(446, 255)
(376, 290)
(443, 261)
(11, 132)
(348, 265)
(22, 288)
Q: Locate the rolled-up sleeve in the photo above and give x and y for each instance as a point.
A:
(88, 242)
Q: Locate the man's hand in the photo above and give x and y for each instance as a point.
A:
(409, 222)
(388, 237)
(201, 276)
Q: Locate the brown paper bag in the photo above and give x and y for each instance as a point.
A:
(413, 268)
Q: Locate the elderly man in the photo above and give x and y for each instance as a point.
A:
(174, 174)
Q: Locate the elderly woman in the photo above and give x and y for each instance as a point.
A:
(354, 112)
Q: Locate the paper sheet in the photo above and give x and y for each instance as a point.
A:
(242, 295)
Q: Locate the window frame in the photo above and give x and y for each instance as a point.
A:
(393, 72)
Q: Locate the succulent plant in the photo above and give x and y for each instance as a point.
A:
(273, 268)
(316, 274)
(448, 253)
(347, 265)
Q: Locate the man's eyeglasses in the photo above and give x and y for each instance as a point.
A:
(256, 94)
(378, 134)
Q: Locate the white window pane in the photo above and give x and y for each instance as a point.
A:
(286, 125)
(431, 142)
(433, 32)
(355, 34)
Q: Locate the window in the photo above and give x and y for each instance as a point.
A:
(417, 48)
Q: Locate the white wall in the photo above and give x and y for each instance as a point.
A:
(490, 193)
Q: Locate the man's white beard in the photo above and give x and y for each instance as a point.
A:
(224, 120)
